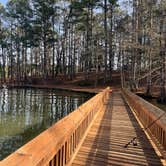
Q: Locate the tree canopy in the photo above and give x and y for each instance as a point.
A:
(46, 39)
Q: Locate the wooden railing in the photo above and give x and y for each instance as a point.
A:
(56, 145)
(150, 116)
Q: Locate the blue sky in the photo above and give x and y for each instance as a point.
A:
(3, 1)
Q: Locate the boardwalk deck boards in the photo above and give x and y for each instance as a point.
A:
(111, 130)
(95, 135)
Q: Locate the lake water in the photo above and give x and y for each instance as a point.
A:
(153, 101)
(24, 113)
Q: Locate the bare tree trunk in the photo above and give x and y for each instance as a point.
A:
(3, 65)
(18, 62)
(106, 40)
(53, 50)
(45, 57)
(162, 97)
(11, 54)
(163, 78)
(135, 41)
(149, 78)
(110, 45)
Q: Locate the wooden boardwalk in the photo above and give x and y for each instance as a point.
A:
(111, 130)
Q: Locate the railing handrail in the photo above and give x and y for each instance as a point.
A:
(153, 110)
(147, 115)
(50, 149)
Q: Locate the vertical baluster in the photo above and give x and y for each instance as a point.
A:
(52, 162)
(57, 159)
(66, 149)
(164, 139)
(63, 155)
(75, 138)
(71, 145)
(73, 141)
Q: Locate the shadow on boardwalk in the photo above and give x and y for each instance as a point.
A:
(102, 139)
(113, 128)
(151, 157)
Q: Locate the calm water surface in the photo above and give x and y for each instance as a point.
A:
(154, 102)
(24, 113)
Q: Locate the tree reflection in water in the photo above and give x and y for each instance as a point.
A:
(24, 113)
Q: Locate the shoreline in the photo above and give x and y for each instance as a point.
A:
(74, 88)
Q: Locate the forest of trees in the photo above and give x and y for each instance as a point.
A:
(44, 39)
